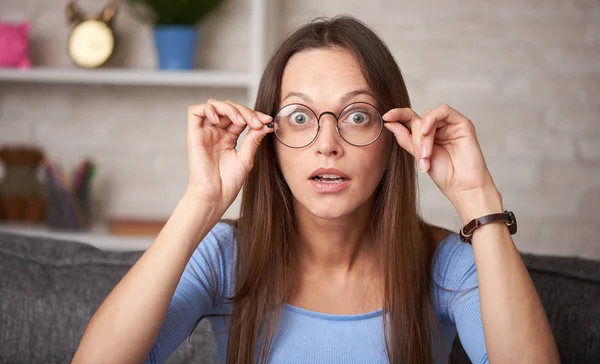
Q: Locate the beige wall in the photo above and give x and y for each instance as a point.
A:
(526, 72)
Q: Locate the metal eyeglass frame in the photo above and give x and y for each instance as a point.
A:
(337, 120)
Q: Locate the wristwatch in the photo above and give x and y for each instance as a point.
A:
(508, 217)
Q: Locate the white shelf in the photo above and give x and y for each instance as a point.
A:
(137, 77)
(262, 37)
(97, 236)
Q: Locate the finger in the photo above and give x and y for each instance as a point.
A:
(197, 114)
(264, 118)
(420, 148)
(236, 129)
(402, 134)
(257, 118)
(424, 160)
(225, 109)
(427, 111)
(211, 114)
(250, 144)
(403, 115)
(426, 140)
(250, 117)
(432, 119)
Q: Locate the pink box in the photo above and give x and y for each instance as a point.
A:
(14, 45)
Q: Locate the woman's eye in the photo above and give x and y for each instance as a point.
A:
(357, 117)
(299, 118)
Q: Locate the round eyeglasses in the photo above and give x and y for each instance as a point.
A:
(297, 126)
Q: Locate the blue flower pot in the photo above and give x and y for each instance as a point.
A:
(176, 46)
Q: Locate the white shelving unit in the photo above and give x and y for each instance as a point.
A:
(261, 39)
(127, 77)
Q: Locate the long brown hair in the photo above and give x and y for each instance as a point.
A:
(266, 235)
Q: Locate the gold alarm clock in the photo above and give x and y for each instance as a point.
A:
(92, 40)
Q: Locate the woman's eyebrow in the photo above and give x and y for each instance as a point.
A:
(301, 95)
(352, 94)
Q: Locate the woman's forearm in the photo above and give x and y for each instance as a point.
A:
(125, 326)
(515, 325)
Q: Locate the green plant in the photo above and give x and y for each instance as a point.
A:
(173, 12)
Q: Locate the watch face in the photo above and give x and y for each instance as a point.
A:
(91, 43)
(512, 222)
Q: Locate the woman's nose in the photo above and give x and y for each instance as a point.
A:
(328, 142)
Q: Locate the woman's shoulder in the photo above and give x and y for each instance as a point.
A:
(217, 251)
(451, 246)
(213, 262)
(224, 229)
(220, 240)
(454, 276)
(453, 261)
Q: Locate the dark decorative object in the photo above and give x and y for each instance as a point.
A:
(21, 192)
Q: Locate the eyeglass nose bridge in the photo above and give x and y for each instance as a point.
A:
(327, 113)
(335, 117)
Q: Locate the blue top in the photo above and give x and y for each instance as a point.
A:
(305, 336)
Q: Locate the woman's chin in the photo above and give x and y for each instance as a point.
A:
(329, 207)
(330, 211)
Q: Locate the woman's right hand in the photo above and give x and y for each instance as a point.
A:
(216, 170)
(135, 310)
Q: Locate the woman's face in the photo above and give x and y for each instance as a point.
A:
(329, 80)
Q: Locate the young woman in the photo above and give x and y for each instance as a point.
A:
(330, 261)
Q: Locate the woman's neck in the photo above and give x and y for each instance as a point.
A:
(334, 244)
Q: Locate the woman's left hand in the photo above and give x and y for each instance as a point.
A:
(445, 145)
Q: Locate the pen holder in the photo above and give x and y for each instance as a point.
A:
(64, 211)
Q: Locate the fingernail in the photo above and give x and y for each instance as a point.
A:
(422, 165)
(215, 117)
(240, 119)
(256, 122)
(424, 151)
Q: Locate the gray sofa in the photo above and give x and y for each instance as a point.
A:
(49, 289)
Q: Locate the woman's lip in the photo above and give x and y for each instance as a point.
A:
(334, 171)
(329, 187)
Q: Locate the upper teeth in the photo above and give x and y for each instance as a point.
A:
(332, 176)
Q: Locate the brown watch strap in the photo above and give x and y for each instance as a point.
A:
(507, 217)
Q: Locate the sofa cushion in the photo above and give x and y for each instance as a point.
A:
(50, 289)
(569, 288)
(570, 291)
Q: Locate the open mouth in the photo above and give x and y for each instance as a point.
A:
(329, 178)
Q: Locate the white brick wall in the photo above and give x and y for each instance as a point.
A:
(526, 72)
